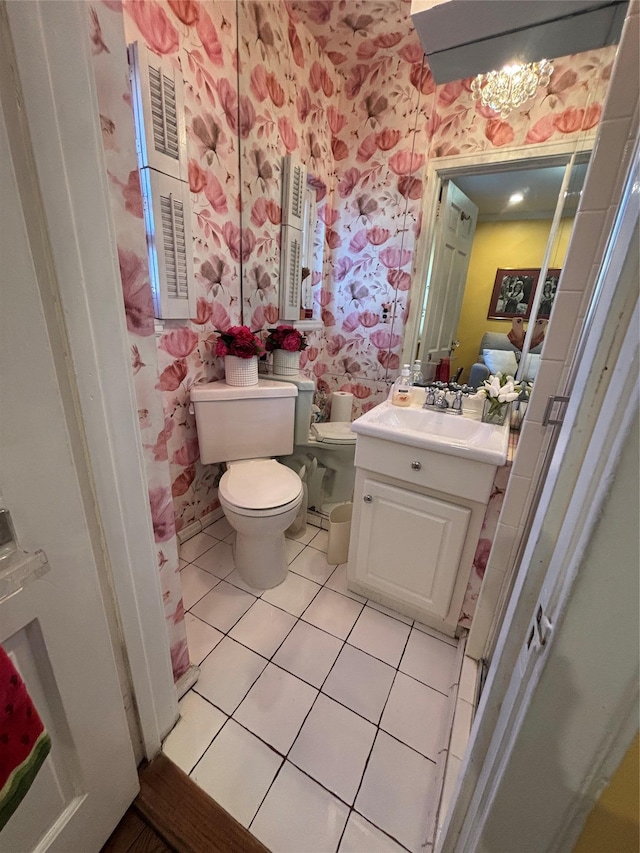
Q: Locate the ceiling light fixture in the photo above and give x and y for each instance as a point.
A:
(516, 198)
(507, 89)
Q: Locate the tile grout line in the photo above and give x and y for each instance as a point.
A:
(319, 690)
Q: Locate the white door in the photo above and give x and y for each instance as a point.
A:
(457, 217)
(54, 628)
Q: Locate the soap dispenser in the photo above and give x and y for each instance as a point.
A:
(401, 389)
(416, 374)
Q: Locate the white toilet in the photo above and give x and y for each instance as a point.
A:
(332, 444)
(243, 427)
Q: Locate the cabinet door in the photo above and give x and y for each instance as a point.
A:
(409, 545)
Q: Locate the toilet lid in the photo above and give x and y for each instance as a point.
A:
(334, 433)
(259, 484)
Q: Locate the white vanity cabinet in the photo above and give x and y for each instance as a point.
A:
(416, 523)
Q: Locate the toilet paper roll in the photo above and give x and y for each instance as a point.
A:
(341, 402)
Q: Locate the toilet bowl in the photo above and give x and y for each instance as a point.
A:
(260, 498)
(334, 446)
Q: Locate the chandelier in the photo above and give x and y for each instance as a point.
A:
(507, 89)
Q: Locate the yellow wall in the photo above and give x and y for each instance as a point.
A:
(612, 826)
(500, 245)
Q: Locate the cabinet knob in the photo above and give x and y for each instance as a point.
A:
(416, 465)
(367, 499)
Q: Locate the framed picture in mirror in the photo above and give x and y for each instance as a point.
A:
(514, 290)
(548, 294)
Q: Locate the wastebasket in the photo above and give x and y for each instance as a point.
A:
(339, 532)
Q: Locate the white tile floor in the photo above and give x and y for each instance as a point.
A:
(318, 716)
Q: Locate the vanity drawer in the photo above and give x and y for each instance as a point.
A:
(437, 471)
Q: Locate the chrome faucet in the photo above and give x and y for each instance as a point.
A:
(436, 396)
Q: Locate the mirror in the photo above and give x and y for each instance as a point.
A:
(433, 327)
(282, 117)
(496, 283)
(343, 87)
(365, 115)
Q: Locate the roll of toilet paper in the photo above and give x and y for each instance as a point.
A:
(341, 402)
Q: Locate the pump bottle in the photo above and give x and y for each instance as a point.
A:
(416, 374)
(401, 389)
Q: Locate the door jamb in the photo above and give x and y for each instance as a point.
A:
(501, 708)
(60, 108)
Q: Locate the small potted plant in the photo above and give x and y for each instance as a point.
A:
(499, 390)
(240, 348)
(286, 343)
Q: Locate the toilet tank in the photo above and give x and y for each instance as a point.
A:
(244, 422)
(304, 401)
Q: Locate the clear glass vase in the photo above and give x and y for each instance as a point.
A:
(494, 412)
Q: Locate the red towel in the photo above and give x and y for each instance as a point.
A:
(24, 743)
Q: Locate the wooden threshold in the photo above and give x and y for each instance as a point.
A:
(171, 813)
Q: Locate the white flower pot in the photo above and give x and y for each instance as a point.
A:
(286, 363)
(240, 371)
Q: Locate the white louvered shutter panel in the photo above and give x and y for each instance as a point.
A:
(308, 244)
(290, 272)
(158, 105)
(294, 183)
(168, 221)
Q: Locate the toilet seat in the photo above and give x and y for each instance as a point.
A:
(335, 432)
(259, 487)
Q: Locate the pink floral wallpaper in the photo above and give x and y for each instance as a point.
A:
(199, 38)
(289, 89)
(379, 137)
(391, 119)
(114, 104)
(343, 85)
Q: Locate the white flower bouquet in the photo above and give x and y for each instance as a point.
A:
(499, 390)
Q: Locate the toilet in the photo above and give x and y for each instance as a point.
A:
(332, 444)
(244, 427)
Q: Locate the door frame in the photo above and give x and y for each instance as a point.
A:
(60, 130)
(439, 169)
(450, 195)
(548, 575)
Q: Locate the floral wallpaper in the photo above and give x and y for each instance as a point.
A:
(199, 38)
(289, 89)
(342, 84)
(392, 118)
(378, 141)
(487, 534)
(114, 104)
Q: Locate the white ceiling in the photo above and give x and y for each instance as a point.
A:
(540, 188)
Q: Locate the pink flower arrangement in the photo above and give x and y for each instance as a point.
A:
(239, 341)
(286, 338)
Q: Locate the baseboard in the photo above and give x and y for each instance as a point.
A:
(199, 525)
(316, 519)
(187, 680)
(189, 531)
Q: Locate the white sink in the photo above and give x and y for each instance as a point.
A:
(455, 435)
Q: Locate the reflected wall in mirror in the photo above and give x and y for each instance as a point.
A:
(387, 119)
(289, 88)
(358, 102)
(350, 90)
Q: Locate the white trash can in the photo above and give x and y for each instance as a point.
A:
(339, 532)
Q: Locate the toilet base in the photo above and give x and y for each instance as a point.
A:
(260, 551)
(261, 561)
